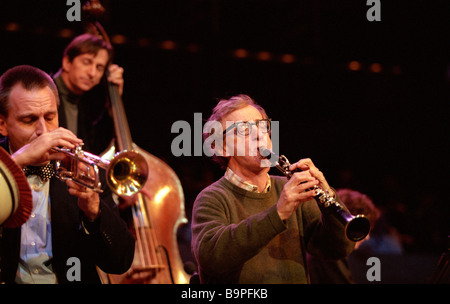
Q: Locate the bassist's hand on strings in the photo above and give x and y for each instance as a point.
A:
(116, 76)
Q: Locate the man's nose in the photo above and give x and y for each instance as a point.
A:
(255, 132)
(262, 137)
(41, 127)
(91, 71)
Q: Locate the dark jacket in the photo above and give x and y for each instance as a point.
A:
(109, 245)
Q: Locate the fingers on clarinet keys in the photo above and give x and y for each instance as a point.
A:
(356, 227)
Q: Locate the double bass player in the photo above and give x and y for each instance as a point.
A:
(84, 107)
(86, 60)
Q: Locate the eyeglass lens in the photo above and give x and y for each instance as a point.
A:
(245, 127)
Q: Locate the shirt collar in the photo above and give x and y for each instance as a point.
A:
(241, 183)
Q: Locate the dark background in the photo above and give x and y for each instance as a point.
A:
(382, 133)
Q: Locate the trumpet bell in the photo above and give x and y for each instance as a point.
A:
(127, 173)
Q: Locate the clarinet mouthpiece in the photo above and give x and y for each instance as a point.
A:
(265, 153)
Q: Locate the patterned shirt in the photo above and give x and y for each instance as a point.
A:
(241, 183)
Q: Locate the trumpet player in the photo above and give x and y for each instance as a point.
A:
(72, 229)
(249, 226)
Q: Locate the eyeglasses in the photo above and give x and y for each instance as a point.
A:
(244, 128)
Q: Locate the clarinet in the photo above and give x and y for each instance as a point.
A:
(357, 227)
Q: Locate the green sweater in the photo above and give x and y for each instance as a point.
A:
(238, 236)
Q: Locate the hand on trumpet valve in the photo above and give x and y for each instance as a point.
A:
(40, 150)
(88, 199)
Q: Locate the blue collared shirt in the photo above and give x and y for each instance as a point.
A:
(36, 242)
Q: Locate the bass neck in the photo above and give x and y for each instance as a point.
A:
(123, 134)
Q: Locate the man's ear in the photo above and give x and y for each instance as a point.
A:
(221, 147)
(66, 64)
(3, 130)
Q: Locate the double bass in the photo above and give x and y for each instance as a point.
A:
(155, 216)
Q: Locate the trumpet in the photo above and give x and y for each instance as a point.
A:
(126, 173)
(357, 227)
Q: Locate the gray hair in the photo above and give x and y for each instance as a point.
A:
(225, 107)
